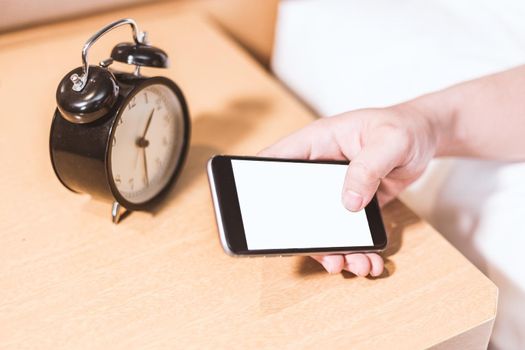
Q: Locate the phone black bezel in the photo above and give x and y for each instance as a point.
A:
(232, 224)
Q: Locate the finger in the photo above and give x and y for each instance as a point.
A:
(358, 264)
(383, 198)
(372, 164)
(314, 141)
(331, 263)
(377, 264)
(296, 145)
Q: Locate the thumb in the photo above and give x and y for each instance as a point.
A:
(365, 172)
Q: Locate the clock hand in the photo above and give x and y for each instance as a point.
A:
(143, 143)
(145, 166)
(148, 123)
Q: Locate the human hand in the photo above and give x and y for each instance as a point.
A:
(388, 149)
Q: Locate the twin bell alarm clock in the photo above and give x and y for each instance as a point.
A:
(117, 136)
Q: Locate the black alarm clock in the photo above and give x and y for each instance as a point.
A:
(119, 136)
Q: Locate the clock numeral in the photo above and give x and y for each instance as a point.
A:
(118, 179)
(120, 121)
(132, 103)
(167, 118)
(131, 183)
(158, 162)
(114, 141)
(144, 180)
(164, 141)
(158, 104)
(146, 97)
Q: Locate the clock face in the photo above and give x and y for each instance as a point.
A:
(147, 143)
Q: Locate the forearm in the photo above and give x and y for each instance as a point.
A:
(482, 118)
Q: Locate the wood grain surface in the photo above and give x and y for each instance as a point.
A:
(70, 279)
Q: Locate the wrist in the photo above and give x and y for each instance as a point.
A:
(438, 111)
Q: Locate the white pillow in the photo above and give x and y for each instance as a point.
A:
(340, 55)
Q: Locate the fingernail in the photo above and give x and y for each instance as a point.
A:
(353, 201)
(330, 268)
(355, 272)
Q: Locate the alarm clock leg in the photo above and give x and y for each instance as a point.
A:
(117, 211)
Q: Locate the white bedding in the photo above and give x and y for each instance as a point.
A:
(340, 55)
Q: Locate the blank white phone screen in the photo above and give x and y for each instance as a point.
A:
(296, 205)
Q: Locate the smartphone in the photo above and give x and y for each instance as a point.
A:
(270, 206)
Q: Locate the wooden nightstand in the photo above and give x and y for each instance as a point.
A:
(71, 279)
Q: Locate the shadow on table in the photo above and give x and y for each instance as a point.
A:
(397, 217)
(213, 133)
